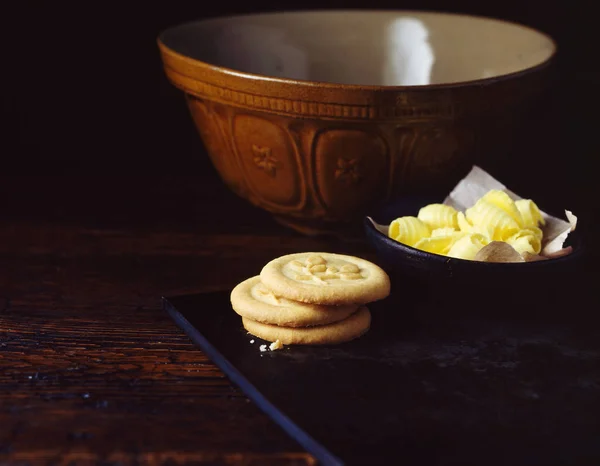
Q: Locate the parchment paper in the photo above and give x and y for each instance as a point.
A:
(478, 182)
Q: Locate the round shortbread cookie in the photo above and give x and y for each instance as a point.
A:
(338, 332)
(325, 278)
(253, 300)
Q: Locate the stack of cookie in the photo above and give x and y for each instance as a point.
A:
(310, 298)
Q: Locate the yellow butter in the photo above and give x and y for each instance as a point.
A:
(535, 231)
(438, 216)
(532, 217)
(496, 222)
(444, 231)
(441, 229)
(436, 245)
(463, 223)
(468, 246)
(466, 227)
(504, 202)
(526, 241)
(408, 230)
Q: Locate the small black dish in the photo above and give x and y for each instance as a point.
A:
(477, 284)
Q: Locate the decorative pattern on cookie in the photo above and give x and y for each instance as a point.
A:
(326, 278)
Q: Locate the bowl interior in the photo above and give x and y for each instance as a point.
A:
(390, 48)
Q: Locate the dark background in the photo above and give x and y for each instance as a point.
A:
(85, 97)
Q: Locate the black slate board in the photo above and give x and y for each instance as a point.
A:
(420, 391)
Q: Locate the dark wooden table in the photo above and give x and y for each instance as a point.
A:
(92, 371)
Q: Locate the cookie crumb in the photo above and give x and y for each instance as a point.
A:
(251, 341)
(263, 348)
(276, 345)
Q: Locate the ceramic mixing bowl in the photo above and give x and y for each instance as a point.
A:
(315, 116)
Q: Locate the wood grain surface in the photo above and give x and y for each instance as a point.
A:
(92, 371)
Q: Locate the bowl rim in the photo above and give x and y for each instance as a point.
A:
(324, 85)
(368, 222)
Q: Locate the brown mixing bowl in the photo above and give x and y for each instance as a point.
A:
(315, 116)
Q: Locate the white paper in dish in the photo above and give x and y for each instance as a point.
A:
(478, 182)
